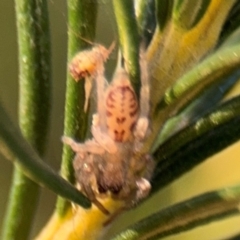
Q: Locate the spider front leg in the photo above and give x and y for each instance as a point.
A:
(141, 128)
(90, 146)
(142, 124)
(102, 137)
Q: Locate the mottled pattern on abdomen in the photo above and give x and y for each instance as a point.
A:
(121, 110)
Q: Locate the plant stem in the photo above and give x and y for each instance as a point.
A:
(186, 215)
(209, 72)
(81, 25)
(34, 108)
(15, 148)
(190, 143)
(129, 39)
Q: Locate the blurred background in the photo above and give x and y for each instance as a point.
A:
(221, 170)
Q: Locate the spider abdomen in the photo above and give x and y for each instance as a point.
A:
(121, 109)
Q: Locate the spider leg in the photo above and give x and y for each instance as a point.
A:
(90, 146)
(145, 88)
(143, 188)
(91, 195)
(104, 140)
(141, 128)
(143, 122)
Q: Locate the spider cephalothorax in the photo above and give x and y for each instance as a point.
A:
(110, 162)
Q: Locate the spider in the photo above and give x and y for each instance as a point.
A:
(110, 163)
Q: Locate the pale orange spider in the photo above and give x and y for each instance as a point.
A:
(110, 162)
